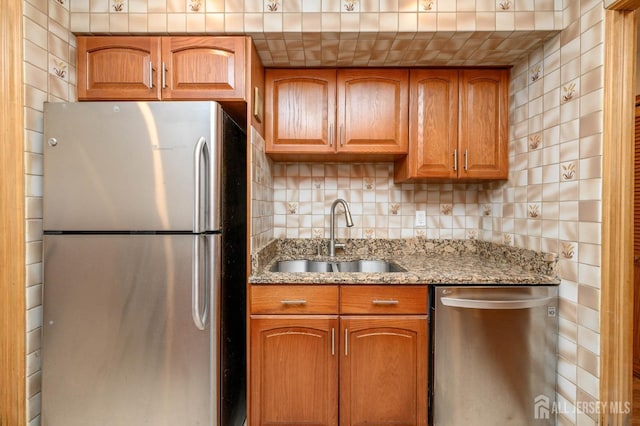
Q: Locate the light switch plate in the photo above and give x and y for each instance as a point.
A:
(421, 218)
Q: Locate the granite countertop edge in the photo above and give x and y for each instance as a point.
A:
(444, 262)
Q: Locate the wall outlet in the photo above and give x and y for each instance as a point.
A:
(421, 218)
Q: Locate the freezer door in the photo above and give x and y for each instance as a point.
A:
(131, 166)
(120, 343)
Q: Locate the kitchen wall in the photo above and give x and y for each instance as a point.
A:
(49, 75)
(551, 201)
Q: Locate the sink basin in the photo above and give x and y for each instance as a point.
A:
(303, 265)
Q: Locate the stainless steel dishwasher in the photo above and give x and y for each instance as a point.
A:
(494, 355)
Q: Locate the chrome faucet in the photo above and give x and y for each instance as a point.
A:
(332, 235)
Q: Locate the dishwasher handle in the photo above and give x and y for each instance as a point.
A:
(469, 303)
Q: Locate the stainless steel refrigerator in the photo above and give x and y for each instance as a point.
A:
(144, 265)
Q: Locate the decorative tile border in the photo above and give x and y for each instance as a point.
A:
(568, 250)
(195, 6)
(535, 141)
(504, 4)
(350, 5)
(535, 72)
(272, 6)
(118, 6)
(568, 171)
(427, 6)
(59, 68)
(568, 92)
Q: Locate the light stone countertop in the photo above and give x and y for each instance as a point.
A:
(469, 262)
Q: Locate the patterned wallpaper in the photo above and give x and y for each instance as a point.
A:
(49, 75)
(343, 32)
(552, 201)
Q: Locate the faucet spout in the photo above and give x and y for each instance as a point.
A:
(332, 231)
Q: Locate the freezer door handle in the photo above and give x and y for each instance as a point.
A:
(200, 155)
(199, 299)
(469, 303)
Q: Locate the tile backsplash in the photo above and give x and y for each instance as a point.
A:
(304, 192)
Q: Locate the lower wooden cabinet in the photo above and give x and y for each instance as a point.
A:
(366, 366)
(294, 367)
(383, 371)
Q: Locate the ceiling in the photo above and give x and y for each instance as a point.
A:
(388, 49)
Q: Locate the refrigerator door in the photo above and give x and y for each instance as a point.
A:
(120, 345)
(132, 166)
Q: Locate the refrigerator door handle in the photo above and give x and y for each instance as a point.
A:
(199, 304)
(200, 180)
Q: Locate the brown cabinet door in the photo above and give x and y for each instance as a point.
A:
(433, 126)
(294, 371)
(118, 67)
(203, 68)
(483, 132)
(300, 111)
(373, 111)
(383, 370)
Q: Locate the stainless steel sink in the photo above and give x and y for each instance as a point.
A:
(304, 265)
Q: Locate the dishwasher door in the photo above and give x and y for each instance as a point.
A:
(495, 355)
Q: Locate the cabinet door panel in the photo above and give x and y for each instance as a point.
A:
(294, 373)
(383, 371)
(204, 67)
(483, 123)
(433, 126)
(118, 68)
(373, 111)
(300, 111)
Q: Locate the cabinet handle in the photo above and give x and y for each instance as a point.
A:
(346, 341)
(150, 75)
(341, 135)
(164, 76)
(294, 302)
(331, 135)
(455, 160)
(333, 341)
(384, 302)
(466, 160)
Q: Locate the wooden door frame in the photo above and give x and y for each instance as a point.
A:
(616, 307)
(12, 237)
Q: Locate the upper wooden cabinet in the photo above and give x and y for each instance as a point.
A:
(152, 68)
(458, 125)
(300, 111)
(351, 114)
(118, 68)
(198, 67)
(484, 118)
(373, 111)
